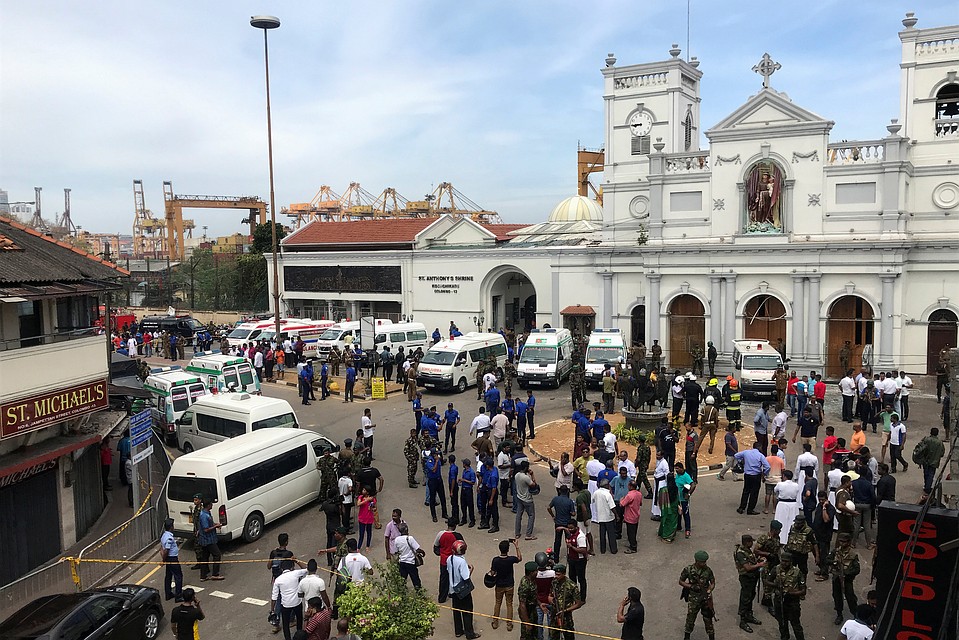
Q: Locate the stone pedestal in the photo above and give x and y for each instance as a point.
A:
(644, 420)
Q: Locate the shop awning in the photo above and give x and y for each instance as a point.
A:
(578, 310)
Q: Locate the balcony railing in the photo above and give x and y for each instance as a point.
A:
(687, 162)
(855, 152)
(48, 338)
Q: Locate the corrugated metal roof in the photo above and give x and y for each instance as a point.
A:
(43, 259)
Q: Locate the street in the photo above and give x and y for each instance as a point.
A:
(238, 606)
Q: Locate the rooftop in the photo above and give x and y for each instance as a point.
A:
(374, 233)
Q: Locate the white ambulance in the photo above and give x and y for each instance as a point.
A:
(224, 373)
(339, 335)
(546, 359)
(605, 347)
(452, 364)
(173, 391)
(756, 362)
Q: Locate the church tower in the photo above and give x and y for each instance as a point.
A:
(646, 105)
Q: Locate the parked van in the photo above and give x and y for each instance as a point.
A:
(546, 359)
(756, 362)
(409, 335)
(225, 373)
(252, 480)
(173, 391)
(184, 326)
(213, 419)
(339, 334)
(452, 363)
(605, 347)
(265, 329)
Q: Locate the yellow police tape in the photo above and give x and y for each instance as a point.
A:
(75, 562)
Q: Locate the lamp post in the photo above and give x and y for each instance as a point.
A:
(266, 23)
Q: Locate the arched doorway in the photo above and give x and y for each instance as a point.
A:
(637, 324)
(512, 302)
(764, 318)
(941, 334)
(850, 318)
(687, 328)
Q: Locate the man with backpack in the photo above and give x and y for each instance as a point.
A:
(927, 454)
(275, 565)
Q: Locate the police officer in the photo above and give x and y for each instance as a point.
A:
(789, 588)
(749, 568)
(698, 582)
(843, 565)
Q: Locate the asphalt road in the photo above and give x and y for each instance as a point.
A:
(237, 607)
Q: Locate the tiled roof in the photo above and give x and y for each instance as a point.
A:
(578, 310)
(376, 232)
(40, 258)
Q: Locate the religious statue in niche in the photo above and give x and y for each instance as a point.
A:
(764, 186)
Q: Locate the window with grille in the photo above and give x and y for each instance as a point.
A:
(640, 145)
(688, 130)
(947, 111)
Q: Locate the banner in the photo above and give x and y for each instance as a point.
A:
(924, 578)
(29, 414)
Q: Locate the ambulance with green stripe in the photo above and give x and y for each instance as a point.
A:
(225, 373)
(174, 391)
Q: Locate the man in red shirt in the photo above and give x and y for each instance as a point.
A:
(631, 504)
(443, 547)
(829, 446)
(791, 398)
(819, 390)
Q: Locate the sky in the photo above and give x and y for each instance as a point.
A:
(491, 96)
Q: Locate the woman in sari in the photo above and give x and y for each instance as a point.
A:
(668, 500)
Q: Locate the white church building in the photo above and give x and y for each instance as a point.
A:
(772, 232)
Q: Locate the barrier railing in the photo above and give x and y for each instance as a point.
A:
(125, 542)
(54, 578)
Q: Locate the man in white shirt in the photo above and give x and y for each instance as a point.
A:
(354, 564)
(489, 379)
(345, 486)
(604, 515)
(132, 346)
(806, 459)
(904, 382)
(498, 425)
(593, 468)
(779, 423)
(366, 422)
(847, 387)
(286, 589)
(624, 461)
(858, 628)
(480, 424)
(313, 586)
(897, 440)
(659, 476)
(610, 441)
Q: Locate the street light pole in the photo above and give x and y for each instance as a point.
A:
(266, 23)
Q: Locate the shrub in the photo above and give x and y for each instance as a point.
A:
(630, 435)
(383, 607)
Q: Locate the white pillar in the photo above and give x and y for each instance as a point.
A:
(886, 309)
(796, 334)
(607, 299)
(813, 345)
(729, 314)
(715, 318)
(655, 307)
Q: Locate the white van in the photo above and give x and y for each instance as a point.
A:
(173, 391)
(252, 480)
(225, 373)
(409, 335)
(452, 363)
(605, 347)
(215, 418)
(257, 330)
(756, 362)
(339, 334)
(546, 359)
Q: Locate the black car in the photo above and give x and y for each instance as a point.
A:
(121, 612)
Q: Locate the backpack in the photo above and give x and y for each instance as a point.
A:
(920, 454)
(798, 541)
(278, 556)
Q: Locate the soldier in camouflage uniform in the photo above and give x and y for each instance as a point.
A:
(564, 600)
(843, 565)
(576, 385)
(749, 568)
(334, 360)
(698, 582)
(697, 354)
(411, 451)
(347, 459)
(789, 589)
(802, 540)
(656, 355)
(195, 519)
(480, 372)
(782, 380)
(643, 455)
(769, 548)
(348, 356)
(328, 467)
(509, 374)
(637, 357)
(528, 604)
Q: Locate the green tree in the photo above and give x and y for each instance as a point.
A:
(263, 238)
(383, 607)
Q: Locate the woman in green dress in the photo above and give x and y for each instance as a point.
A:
(669, 505)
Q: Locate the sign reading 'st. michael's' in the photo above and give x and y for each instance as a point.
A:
(35, 412)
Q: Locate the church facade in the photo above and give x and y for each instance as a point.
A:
(772, 232)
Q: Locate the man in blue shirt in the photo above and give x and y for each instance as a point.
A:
(521, 410)
(563, 511)
(619, 485)
(428, 424)
(306, 382)
(350, 382)
(467, 483)
(755, 466)
(452, 476)
(489, 509)
(492, 399)
(170, 552)
(324, 378)
(584, 425)
(599, 427)
(434, 480)
(207, 540)
(509, 408)
(437, 336)
(418, 409)
(606, 474)
(530, 412)
(450, 419)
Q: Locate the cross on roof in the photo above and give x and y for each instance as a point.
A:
(766, 67)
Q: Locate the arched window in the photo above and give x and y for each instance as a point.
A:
(764, 198)
(947, 111)
(688, 130)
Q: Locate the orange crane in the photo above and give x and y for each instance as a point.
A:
(325, 205)
(458, 204)
(176, 225)
(589, 161)
(149, 234)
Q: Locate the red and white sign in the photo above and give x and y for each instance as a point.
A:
(29, 414)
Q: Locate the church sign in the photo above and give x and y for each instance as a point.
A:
(343, 279)
(29, 414)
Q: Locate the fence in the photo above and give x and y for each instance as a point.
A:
(125, 542)
(54, 578)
